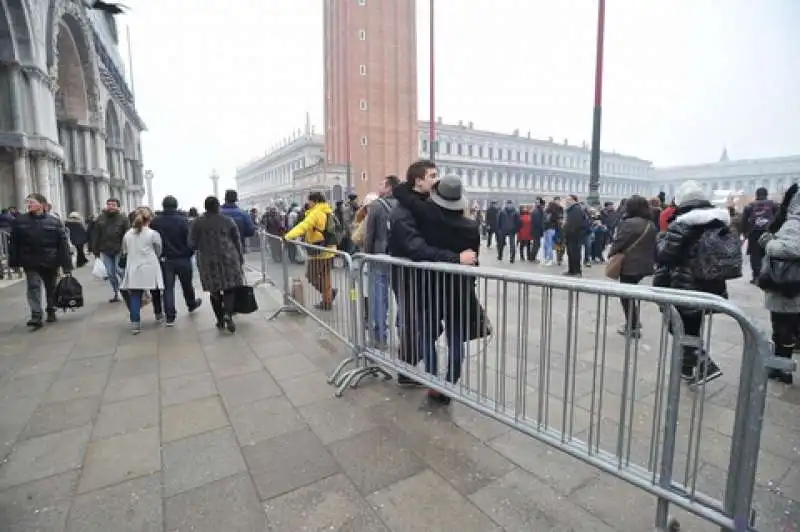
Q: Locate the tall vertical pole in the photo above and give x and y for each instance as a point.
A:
(594, 171)
(347, 77)
(130, 60)
(432, 126)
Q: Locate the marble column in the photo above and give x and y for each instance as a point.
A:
(43, 178)
(103, 190)
(100, 150)
(21, 185)
(16, 100)
(91, 187)
(87, 151)
(74, 153)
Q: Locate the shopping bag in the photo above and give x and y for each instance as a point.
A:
(99, 270)
(245, 300)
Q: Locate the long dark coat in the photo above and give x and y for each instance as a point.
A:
(219, 252)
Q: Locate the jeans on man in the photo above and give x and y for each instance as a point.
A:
(35, 279)
(587, 248)
(455, 351)
(182, 269)
(379, 302)
(549, 244)
(114, 272)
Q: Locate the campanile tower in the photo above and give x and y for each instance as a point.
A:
(371, 88)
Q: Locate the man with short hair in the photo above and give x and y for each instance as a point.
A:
(106, 236)
(39, 246)
(376, 241)
(243, 220)
(176, 257)
(574, 231)
(420, 317)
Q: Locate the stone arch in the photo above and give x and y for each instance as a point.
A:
(16, 44)
(72, 102)
(68, 26)
(113, 135)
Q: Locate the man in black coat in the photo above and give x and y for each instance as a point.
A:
(39, 246)
(574, 231)
(176, 257)
(491, 222)
(420, 318)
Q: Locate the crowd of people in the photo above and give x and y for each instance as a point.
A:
(686, 244)
(141, 254)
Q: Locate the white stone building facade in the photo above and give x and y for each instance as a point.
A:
(496, 166)
(272, 176)
(744, 176)
(68, 122)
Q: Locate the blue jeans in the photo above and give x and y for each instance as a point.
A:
(114, 272)
(135, 305)
(549, 243)
(455, 351)
(379, 302)
(587, 247)
(182, 269)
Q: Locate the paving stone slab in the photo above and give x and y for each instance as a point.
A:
(129, 415)
(187, 388)
(192, 417)
(197, 460)
(330, 504)
(76, 387)
(122, 389)
(229, 504)
(132, 506)
(40, 505)
(119, 458)
(287, 462)
(87, 366)
(247, 388)
(262, 420)
(55, 417)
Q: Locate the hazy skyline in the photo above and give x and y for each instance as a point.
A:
(219, 83)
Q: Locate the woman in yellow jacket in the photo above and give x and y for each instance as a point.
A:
(312, 229)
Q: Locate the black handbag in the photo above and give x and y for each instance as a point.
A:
(245, 300)
(781, 276)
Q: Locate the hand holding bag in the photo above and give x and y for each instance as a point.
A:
(615, 262)
(245, 298)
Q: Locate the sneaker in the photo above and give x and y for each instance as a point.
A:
(170, 322)
(115, 299)
(707, 371)
(35, 323)
(197, 303)
(220, 324)
(229, 324)
(438, 398)
(136, 327)
(51, 316)
(159, 319)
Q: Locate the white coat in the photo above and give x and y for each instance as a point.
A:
(143, 268)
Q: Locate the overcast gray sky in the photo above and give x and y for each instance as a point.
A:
(218, 83)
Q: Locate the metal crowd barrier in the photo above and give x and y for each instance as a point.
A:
(5, 271)
(547, 367)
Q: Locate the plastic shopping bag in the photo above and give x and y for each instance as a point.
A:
(99, 270)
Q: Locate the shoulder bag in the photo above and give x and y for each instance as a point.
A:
(614, 266)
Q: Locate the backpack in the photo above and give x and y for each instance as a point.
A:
(333, 232)
(68, 293)
(717, 255)
(761, 216)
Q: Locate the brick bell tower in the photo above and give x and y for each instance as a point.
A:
(370, 88)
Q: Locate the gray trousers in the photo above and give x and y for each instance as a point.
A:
(35, 280)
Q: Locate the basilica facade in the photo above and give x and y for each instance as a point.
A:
(68, 122)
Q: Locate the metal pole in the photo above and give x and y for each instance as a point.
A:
(432, 126)
(594, 172)
(347, 78)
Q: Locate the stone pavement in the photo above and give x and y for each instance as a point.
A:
(189, 429)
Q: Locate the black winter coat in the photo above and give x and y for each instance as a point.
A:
(676, 247)
(39, 241)
(173, 226)
(455, 298)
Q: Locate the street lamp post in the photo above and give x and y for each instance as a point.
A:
(594, 167)
(148, 176)
(432, 95)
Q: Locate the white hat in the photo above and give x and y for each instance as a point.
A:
(690, 191)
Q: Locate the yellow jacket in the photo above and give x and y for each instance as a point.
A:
(312, 228)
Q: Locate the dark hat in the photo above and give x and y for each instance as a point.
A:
(448, 194)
